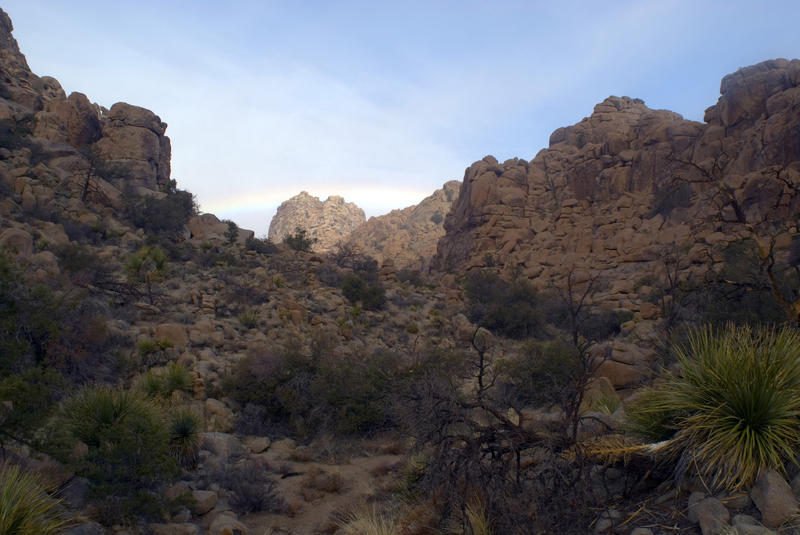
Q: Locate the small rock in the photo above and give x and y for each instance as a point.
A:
(641, 531)
(712, 516)
(747, 525)
(258, 444)
(173, 529)
(205, 500)
(225, 524)
(773, 497)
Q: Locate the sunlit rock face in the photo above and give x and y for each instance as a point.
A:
(328, 222)
(627, 187)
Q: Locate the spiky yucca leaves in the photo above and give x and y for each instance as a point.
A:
(25, 507)
(735, 408)
(184, 430)
(369, 522)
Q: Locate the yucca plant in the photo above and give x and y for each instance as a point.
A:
(369, 522)
(25, 506)
(177, 378)
(733, 410)
(184, 436)
(152, 384)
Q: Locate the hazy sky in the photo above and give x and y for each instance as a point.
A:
(382, 102)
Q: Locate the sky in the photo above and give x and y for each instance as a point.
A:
(382, 102)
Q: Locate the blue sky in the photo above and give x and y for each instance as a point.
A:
(382, 102)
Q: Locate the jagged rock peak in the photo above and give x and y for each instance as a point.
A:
(407, 237)
(329, 222)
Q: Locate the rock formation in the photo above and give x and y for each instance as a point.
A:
(407, 237)
(328, 222)
(613, 194)
(120, 146)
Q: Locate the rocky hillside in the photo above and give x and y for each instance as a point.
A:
(328, 222)
(407, 237)
(168, 373)
(640, 196)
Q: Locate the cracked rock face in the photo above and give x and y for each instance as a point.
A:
(329, 222)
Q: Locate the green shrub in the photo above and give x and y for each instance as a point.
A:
(128, 449)
(249, 319)
(184, 436)
(508, 308)
(33, 395)
(261, 246)
(147, 267)
(178, 378)
(371, 294)
(152, 384)
(175, 378)
(147, 347)
(734, 409)
(300, 240)
(153, 215)
(306, 395)
(25, 506)
(232, 232)
(542, 375)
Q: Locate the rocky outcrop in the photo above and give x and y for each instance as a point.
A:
(124, 145)
(407, 237)
(328, 222)
(615, 193)
(133, 139)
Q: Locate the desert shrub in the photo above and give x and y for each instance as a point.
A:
(329, 275)
(33, 394)
(249, 319)
(437, 218)
(232, 232)
(411, 276)
(250, 488)
(177, 378)
(300, 240)
(542, 375)
(738, 293)
(162, 384)
(357, 289)
(25, 507)
(128, 446)
(184, 436)
(80, 232)
(28, 319)
(261, 246)
(313, 394)
(14, 136)
(369, 522)
(603, 324)
(154, 215)
(508, 308)
(734, 409)
(668, 197)
(82, 264)
(147, 267)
